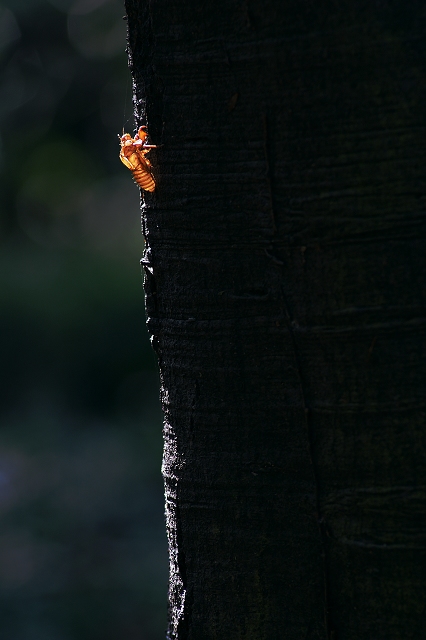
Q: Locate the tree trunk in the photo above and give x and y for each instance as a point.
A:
(285, 286)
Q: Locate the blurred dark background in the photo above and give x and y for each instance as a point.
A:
(82, 540)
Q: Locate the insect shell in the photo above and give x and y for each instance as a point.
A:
(133, 155)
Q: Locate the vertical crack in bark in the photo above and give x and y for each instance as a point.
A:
(270, 165)
(309, 429)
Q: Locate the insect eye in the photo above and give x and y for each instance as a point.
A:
(142, 133)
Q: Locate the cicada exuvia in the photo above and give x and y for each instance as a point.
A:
(133, 155)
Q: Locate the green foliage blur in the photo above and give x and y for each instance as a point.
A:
(82, 541)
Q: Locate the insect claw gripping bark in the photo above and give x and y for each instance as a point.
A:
(133, 155)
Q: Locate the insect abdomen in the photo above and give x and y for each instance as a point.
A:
(133, 153)
(144, 179)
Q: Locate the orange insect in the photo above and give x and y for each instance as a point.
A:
(133, 155)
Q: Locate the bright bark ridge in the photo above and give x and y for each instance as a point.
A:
(285, 287)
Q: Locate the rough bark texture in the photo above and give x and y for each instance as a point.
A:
(285, 284)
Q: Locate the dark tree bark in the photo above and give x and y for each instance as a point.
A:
(285, 286)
